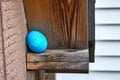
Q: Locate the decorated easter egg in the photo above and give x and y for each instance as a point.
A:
(36, 42)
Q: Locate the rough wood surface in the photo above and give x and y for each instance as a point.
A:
(59, 61)
(33, 75)
(14, 32)
(60, 67)
(59, 56)
(63, 22)
(50, 76)
(38, 75)
(91, 28)
(42, 74)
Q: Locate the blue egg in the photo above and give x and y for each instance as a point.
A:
(36, 42)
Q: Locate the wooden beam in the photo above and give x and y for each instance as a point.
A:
(67, 55)
(59, 61)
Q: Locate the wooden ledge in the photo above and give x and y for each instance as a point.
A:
(76, 61)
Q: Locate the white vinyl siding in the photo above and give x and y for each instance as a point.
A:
(108, 32)
(108, 63)
(107, 3)
(92, 76)
(107, 48)
(107, 52)
(107, 16)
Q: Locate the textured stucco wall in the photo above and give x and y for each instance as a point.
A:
(2, 76)
(13, 29)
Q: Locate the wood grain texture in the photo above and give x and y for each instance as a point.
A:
(40, 75)
(30, 75)
(14, 32)
(60, 67)
(59, 55)
(59, 61)
(33, 75)
(50, 76)
(63, 22)
(91, 28)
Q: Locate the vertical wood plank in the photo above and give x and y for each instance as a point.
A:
(64, 22)
(50, 76)
(40, 75)
(2, 69)
(91, 28)
(14, 32)
(33, 75)
(30, 75)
